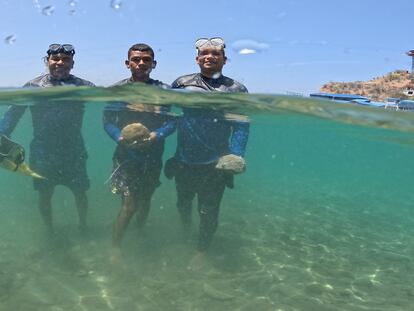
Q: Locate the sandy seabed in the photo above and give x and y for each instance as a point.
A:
(307, 253)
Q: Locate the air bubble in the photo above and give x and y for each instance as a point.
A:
(10, 39)
(116, 4)
(37, 4)
(216, 75)
(48, 10)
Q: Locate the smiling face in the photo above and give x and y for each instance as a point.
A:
(60, 65)
(211, 60)
(141, 64)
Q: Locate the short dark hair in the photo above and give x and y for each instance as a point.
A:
(142, 47)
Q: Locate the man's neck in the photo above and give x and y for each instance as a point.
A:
(143, 79)
(60, 78)
(211, 75)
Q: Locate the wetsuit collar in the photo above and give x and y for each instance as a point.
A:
(54, 80)
(212, 81)
(149, 81)
(217, 76)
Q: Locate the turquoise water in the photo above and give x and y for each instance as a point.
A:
(322, 220)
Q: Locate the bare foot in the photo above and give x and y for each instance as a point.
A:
(198, 262)
(116, 255)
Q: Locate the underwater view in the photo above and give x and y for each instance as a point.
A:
(322, 218)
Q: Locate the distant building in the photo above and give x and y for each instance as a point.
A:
(409, 92)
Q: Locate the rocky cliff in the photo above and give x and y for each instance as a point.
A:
(391, 85)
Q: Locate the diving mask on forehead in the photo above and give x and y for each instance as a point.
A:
(216, 42)
(61, 48)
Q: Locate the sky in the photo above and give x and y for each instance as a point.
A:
(273, 46)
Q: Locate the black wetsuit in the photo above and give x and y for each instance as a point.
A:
(204, 135)
(135, 170)
(57, 150)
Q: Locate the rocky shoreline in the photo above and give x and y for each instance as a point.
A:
(393, 84)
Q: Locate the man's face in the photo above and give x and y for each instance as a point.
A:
(211, 59)
(60, 65)
(140, 64)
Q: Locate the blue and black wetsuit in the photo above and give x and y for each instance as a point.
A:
(204, 135)
(138, 171)
(57, 150)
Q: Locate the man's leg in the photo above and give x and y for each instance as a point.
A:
(144, 204)
(128, 209)
(75, 177)
(209, 200)
(151, 181)
(45, 207)
(81, 201)
(185, 196)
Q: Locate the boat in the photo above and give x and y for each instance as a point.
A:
(340, 97)
(407, 105)
(390, 103)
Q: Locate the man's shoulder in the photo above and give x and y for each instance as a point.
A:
(121, 82)
(159, 84)
(234, 86)
(45, 81)
(185, 80)
(36, 82)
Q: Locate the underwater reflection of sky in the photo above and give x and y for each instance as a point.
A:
(272, 46)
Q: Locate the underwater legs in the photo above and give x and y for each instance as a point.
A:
(209, 199)
(45, 207)
(81, 201)
(128, 209)
(184, 206)
(144, 204)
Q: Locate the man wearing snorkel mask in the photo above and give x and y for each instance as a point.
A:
(206, 137)
(57, 151)
(139, 129)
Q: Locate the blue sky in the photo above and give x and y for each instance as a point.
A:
(299, 44)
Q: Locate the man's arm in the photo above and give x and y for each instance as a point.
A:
(10, 119)
(241, 127)
(239, 137)
(110, 116)
(168, 126)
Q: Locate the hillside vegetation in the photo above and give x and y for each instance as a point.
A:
(391, 85)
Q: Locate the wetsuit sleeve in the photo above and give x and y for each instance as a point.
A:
(167, 129)
(10, 119)
(240, 133)
(110, 117)
(169, 124)
(239, 138)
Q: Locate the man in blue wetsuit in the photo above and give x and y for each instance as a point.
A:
(204, 137)
(137, 166)
(57, 150)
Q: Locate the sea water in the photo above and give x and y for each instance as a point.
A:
(321, 220)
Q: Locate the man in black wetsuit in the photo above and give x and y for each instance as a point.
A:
(137, 168)
(204, 137)
(57, 150)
